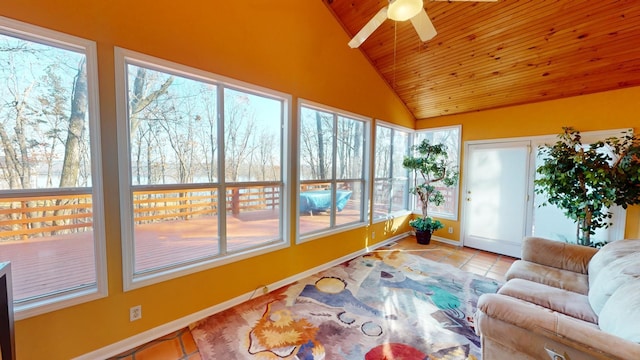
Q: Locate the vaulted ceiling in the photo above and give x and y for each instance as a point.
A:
(494, 54)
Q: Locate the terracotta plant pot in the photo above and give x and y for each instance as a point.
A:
(423, 237)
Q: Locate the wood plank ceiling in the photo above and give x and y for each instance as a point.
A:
(494, 54)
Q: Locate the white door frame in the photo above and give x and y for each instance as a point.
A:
(616, 231)
(509, 247)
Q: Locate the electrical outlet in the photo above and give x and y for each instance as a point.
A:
(450, 229)
(135, 313)
(373, 234)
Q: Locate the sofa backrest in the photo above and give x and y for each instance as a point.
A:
(609, 253)
(611, 277)
(614, 288)
(620, 315)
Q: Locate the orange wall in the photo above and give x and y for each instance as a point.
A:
(292, 46)
(609, 110)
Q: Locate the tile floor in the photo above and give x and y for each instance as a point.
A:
(178, 345)
(181, 346)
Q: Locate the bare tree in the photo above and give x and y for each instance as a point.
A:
(313, 145)
(349, 148)
(383, 152)
(76, 129)
(321, 159)
(267, 163)
(239, 144)
(141, 96)
(16, 171)
(209, 143)
(53, 110)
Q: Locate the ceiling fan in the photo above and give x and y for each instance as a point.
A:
(402, 10)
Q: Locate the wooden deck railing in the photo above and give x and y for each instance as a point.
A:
(24, 218)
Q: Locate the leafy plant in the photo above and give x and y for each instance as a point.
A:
(585, 180)
(426, 224)
(431, 167)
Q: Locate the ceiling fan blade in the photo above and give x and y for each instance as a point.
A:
(369, 28)
(423, 26)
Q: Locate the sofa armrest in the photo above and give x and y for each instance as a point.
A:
(557, 254)
(585, 337)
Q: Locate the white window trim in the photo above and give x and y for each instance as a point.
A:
(87, 47)
(366, 196)
(131, 280)
(456, 210)
(396, 213)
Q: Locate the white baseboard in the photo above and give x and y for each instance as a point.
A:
(162, 330)
(442, 240)
(446, 241)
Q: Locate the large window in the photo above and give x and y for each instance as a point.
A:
(449, 136)
(390, 189)
(202, 170)
(332, 161)
(51, 223)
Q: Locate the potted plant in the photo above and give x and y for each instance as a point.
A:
(586, 180)
(431, 170)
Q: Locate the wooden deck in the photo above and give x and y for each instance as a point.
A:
(54, 263)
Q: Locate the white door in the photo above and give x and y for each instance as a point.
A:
(495, 196)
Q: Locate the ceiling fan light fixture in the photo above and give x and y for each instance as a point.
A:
(402, 10)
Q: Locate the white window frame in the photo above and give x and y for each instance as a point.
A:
(131, 280)
(44, 304)
(453, 216)
(333, 228)
(407, 196)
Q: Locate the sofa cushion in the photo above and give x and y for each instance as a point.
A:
(620, 316)
(563, 301)
(562, 279)
(609, 253)
(526, 326)
(557, 254)
(611, 277)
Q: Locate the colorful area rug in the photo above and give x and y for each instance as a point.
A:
(383, 305)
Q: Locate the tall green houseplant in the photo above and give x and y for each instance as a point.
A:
(586, 180)
(431, 167)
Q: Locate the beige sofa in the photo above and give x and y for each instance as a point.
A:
(564, 301)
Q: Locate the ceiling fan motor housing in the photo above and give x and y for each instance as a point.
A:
(402, 10)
